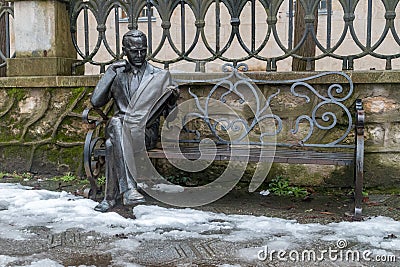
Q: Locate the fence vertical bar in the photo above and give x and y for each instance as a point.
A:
(7, 18)
(183, 27)
(329, 24)
(369, 23)
(86, 27)
(217, 25)
(290, 36)
(117, 35)
(253, 26)
(149, 27)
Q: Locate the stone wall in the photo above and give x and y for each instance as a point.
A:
(41, 129)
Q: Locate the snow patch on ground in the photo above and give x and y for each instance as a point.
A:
(4, 260)
(168, 188)
(44, 263)
(60, 211)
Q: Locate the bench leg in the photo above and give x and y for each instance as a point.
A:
(359, 159)
(92, 166)
(359, 177)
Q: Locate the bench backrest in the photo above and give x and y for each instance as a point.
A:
(306, 112)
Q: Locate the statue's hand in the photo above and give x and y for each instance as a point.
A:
(118, 64)
(174, 96)
(170, 111)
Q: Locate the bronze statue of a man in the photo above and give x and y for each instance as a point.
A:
(136, 87)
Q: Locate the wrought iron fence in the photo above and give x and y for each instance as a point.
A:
(184, 25)
(6, 11)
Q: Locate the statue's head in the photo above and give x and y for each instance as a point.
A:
(134, 45)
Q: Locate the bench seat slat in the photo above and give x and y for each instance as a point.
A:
(254, 155)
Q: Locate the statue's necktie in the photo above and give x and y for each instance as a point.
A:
(134, 83)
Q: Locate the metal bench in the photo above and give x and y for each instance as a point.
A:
(301, 121)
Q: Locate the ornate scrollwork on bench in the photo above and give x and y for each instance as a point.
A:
(328, 108)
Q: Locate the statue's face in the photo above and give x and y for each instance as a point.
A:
(135, 48)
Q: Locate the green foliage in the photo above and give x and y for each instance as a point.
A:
(385, 190)
(15, 175)
(66, 178)
(5, 175)
(364, 193)
(76, 92)
(178, 180)
(26, 176)
(280, 186)
(17, 93)
(101, 180)
(298, 192)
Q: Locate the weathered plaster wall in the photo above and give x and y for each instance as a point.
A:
(41, 28)
(41, 129)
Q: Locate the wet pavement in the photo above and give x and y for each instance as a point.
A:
(77, 247)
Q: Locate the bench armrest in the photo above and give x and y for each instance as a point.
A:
(360, 117)
(86, 119)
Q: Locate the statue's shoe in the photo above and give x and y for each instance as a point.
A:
(105, 205)
(132, 197)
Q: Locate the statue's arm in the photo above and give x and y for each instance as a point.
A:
(102, 93)
(171, 102)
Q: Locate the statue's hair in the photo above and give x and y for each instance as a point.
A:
(135, 33)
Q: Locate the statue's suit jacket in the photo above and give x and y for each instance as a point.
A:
(140, 107)
(116, 85)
